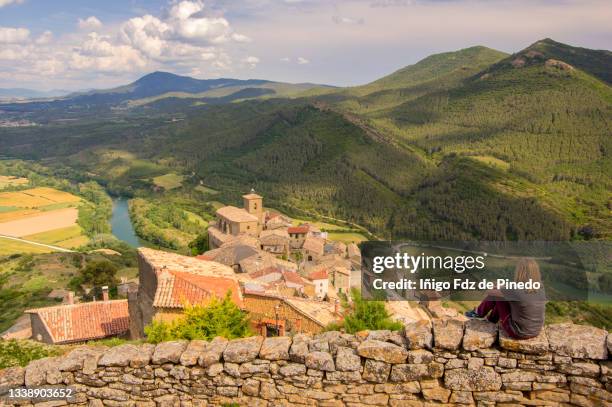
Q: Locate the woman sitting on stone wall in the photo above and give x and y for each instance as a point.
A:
(519, 312)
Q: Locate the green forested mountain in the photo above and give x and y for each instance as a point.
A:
(467, 144)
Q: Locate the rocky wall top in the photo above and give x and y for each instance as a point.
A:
(448, 362)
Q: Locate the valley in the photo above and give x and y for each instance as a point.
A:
(473, 144)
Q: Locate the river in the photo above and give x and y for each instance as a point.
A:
(122, 224)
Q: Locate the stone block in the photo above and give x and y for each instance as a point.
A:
(578, 341)
(168, 352)
(447, 333)
(299, 348)
(320, 361)
(382, 351)
(242, 350)
(418, 335)
(193, 352)
(484, 379)
(376, 371)
(213, 351)
(439, 394)
(479, 334)
(347, 360)
(408, 372)
(276, 348)
(537, 345)
(420, 356)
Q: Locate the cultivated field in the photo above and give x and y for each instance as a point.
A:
(42, 215)
(39, 223)
(169, 181)
(8, 246)
(36, 198)
(9, 181)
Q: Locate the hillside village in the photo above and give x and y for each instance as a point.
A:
(290, 279)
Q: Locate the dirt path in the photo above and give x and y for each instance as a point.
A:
(42, 222)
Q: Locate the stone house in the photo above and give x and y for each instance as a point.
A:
(297, 235)
(74, 323)
(273, 314)
(233, 221)
(313, 248)
(275, 241)
(169, 281)
(340, 278)
(277, 221)
(231, 255)
(320, 280)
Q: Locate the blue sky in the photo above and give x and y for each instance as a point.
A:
(70, 44)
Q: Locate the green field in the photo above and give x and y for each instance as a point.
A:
(169, 181)
(69, 237)
(348, 237)
(206, 190)
(9, 246)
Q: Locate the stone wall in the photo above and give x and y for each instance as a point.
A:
(453, 363)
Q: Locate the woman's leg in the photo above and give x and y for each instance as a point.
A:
(487, 305)
(502, 308)
(494, 314)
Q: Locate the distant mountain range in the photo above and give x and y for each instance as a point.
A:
(22, 93)
(161, 85)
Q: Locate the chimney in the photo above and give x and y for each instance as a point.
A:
(69, 299)
(105, 293)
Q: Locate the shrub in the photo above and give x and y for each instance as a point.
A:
(217, 318)
(20, 353)
(365, 315)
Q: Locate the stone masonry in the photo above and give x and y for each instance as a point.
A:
(450, 363)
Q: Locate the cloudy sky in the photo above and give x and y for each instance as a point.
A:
(80, 44)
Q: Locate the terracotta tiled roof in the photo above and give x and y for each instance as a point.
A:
(298, 229)
(175, 289)
(318, 275)
(236, 214)
(293, 277)
(85, 321)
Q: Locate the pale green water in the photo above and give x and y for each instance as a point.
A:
(121, 223)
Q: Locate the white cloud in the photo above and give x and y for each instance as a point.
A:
(302, 61)
(90, 23)
(347, 20)
(251, 61)
(240, 38)
(99, 53)
(44, 38)
(9, 35)
(285, 59)
(183, 32)
(7, 2)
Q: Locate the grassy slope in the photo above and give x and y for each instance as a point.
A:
(550, 125)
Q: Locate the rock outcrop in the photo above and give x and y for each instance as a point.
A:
(449, 363)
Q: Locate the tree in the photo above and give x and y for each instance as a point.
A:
(365, 315)
(199, 245)
(217, 318)
(99, 273)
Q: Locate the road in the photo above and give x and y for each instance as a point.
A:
(56, 248)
